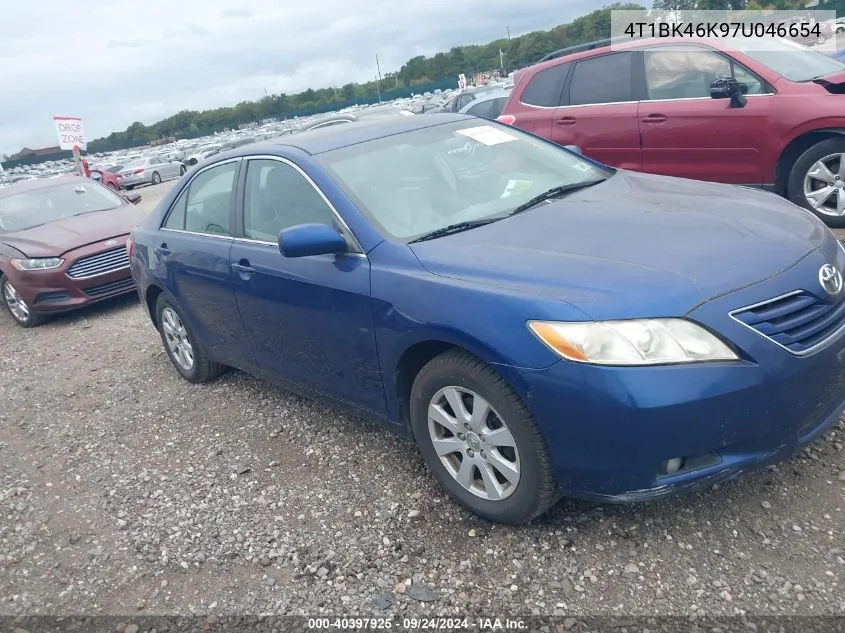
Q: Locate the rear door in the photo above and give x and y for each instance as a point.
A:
(193, 247)
(686, 133)
(598, 111)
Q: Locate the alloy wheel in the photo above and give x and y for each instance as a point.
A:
(824, 185)
(17, 306)
(177, 340)
(473, 443)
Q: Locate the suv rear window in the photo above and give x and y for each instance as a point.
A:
(544, 88)
(603, 79)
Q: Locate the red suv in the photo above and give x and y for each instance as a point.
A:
(718, 110)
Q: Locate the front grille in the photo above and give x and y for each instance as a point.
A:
(100, 264)
(124, 285)
(798, 321)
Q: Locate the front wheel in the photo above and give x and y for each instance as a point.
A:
(16, 305)
(181, 346)
(480, 440)
(112, 186)
(182, 170)
(817, 181)
(156, 178)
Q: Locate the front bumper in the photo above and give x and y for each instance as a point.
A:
(53, 291)
(611, 430)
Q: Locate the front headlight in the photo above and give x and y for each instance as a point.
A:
(632, 342)
(42, 263)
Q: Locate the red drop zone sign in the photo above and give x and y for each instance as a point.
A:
(70, 131)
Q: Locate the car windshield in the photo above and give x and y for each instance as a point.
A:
(35, 207)
(789, 59)
(415, 183)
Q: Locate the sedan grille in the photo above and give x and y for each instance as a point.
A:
(123, 285)
(798, 321)
(100, 264)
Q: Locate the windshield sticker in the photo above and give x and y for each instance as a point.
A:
(487, 135)
(516, 187)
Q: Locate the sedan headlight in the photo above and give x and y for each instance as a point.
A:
(42, 263)
(632, 342)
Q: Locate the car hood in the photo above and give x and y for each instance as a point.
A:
(636, 245)
(56, 238)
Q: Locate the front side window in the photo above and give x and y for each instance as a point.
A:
(204, 206)
(603, 79)
(687, 72)
(277, 197)
(33, 208)
(414, 183)
(488, 109)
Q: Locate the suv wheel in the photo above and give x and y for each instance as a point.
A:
(817, 181)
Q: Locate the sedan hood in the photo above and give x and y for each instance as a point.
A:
(56, 238)
(636, 245)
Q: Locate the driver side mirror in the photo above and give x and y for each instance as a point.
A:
(305, 240)
(133, 198)
(729, 88)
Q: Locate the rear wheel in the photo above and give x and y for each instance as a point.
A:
(111, 186)
(182, 170)
(156, 178)
(817, 181)
(181, 347)
(17, 307)
(480, 441)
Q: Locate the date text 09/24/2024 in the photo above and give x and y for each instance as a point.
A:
(722, 29)
(417, 624)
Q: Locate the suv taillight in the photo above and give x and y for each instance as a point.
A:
(507, 119)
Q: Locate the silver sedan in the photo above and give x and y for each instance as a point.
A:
(149, 171)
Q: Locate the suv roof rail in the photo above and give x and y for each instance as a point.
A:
(580, 48)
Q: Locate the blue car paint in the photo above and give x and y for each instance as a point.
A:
(339, 326)
(840, 55)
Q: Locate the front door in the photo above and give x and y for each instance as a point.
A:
(686, 133)
(310, 319)
(194, 250)
(599, 114)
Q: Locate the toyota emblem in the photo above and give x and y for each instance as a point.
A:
(830, 279)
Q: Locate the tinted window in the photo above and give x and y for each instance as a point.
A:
(277, 197)
(205, 206)
(686, 73)
(604, 79)
(544, 88)
(489, 109)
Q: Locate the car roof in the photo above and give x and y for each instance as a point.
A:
(334, 137)
(43, 183)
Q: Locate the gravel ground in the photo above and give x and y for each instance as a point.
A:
(125, 490)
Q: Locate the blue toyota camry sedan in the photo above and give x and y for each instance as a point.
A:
(539, 324)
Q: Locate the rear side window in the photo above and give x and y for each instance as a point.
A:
(604, 79)
(544, 88)
(489, 109)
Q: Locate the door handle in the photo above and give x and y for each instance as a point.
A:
(654, 118)
(567, 120)
(163, 250)
(243, 268)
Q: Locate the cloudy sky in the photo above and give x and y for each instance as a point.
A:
(117, 62)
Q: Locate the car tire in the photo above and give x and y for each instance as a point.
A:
(111, 186)
(458, 373)
(129, 187)
(829, 152)
(24, 317)
(182, 170)
(156, 178)
(200, 369)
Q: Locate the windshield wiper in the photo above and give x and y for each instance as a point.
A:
(560, 191)
(454, 228)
